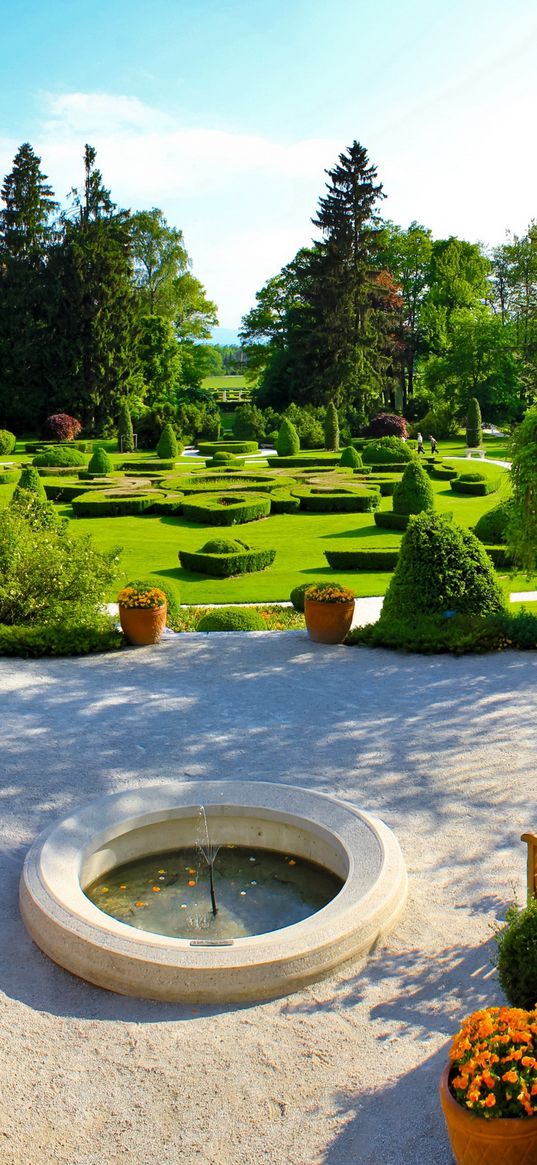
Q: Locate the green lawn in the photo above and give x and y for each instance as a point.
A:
(232, 381)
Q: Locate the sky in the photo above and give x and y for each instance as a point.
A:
(227, 113)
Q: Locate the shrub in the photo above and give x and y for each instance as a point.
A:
(441, 567)
(331, 427)
(224, 546)
(60, 455)
(304, 461)
(153, 465)
(387, 520)
(29, 482)
(226, 509)
(62, 427)
(145, 584)
(325, 501)
(386, 425)
(351, 457)
(100, 462)
(516, 955)
(432, 634)
(283, 502)
(288, 444)
(522, 528)
(441, 421)
(366, 558)
(47, 575)
(249, 423)
(100, 504)
(209, 448)
(231, 619)
(7, 476)
(66, 638)
(7, 442)
(442, 472)
(386, 450)
(125, 435)
(226, 564)
(414, 493)
(474, 432)
(476, 488)
(167, 448)
(492, 526)
(297, 596)
(56, 492)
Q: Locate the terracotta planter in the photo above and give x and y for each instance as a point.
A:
(328, 622)
(142, 626)
(476, 1141)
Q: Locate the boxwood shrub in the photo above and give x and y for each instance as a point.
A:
(283, 502)
(149, 465)
(209, 448)
(60, 456)
(55, 470)
(387, 450)
(492, 526)
(387, 520)
(366, 558)
(59, 638)
(214, 483)
(414, 493)
(225, 564)
(350, 457)
(66, 491)
(386, 485)
(100, 504)
(231, 619)
(168, 505)
(442, 472)
(473, 484)
(358, 501)
(8, 441)
(304, 460)
(226, 509)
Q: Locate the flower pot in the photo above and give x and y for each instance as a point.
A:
(328, 622)
(143, 625)
(477, 1141)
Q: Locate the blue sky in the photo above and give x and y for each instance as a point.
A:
(226, 114)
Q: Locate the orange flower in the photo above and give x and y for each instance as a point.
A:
(156, 889)
(191, 883)
(510, 1077)
(491, 1100)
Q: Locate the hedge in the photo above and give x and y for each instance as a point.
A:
(209, 448)
(337, 501)
(99, 504)
(226, 509)
(473, 488)
(57, 492)
(59, 639)
(442, 472)
(151, 465)
(500, 555)
(390, 521)
(303, 460)
(386, 487)
(213, 484)
(168, 505)
(366, 558)
(8, 475)
(283, 502)
(387, 450)
(56, 470)
(60, 455)
(226, 565)
(386, 466)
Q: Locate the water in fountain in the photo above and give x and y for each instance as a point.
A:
(209, 852)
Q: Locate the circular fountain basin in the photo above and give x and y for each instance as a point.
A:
(67, 858)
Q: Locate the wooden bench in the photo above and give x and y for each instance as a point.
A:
(475, 453)
(531, 842)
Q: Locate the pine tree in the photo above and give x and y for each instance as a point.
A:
(474, 432)
(331, 428)
(26, 235)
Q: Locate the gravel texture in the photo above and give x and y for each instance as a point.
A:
(347, 1070)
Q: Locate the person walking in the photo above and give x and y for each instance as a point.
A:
(434, 444)
(420, 443)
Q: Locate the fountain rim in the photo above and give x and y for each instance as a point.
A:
(60, 917)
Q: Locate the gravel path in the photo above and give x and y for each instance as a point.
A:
(345, 1071)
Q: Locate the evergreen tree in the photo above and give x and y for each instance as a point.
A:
(26, 234)
(167, 445)
(288, 442)
(95, 318)
(331, 428)
(125, 435)
(414, 493)
(474, 432)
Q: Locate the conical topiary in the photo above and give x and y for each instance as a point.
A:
(167, 447)
(351, 458)
(288, 441)
(331, 428)
(100, 462)
(474, 432)
(441, 568)
(414, 493)
(29, 483)
(125, 435)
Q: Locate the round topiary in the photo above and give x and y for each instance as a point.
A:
(441, 568)
(167, 447)
(60, 456)
(100, 462)
(351, 457)
(516, 957)
(288, 443)
(29, 482)
(7, 442)
(492, 526)
(224, 546)
(386, 451)
(414, 493)
(231, 619)
(147, 584)
(297, 596)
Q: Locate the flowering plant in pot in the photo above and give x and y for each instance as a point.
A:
(328, 611)
(488, 1090)
(142, 614)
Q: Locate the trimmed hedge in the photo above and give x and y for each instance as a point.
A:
(283, 502)
(215, 484)
(225, 565)
(492, 526)
(304, 460)
(226, 509)
(217, 462)
(171, 506)
(500, 555)
(57, 492)
(442, 472)
(386, 487)
(8, 475)
(414, 493)
(59, 639)
(232, 619)
(474, 488)
(337, 501)
(209, 448)
(60, 456)
(56, 470)
(387, 520)
(366, 558)
(153, 465)
(99, 504)
(387, 451)
(386, 467)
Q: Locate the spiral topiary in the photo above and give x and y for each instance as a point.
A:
(231, 619)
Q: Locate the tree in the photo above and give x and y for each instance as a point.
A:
(406, 254)
(125, 435)
(159, 357)
(26, 232)
(515, 287)
(522, 525)
(474, 433)
(331, 427)
(95, 317)
(288, 443)
(167, 447)
(163, 277)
